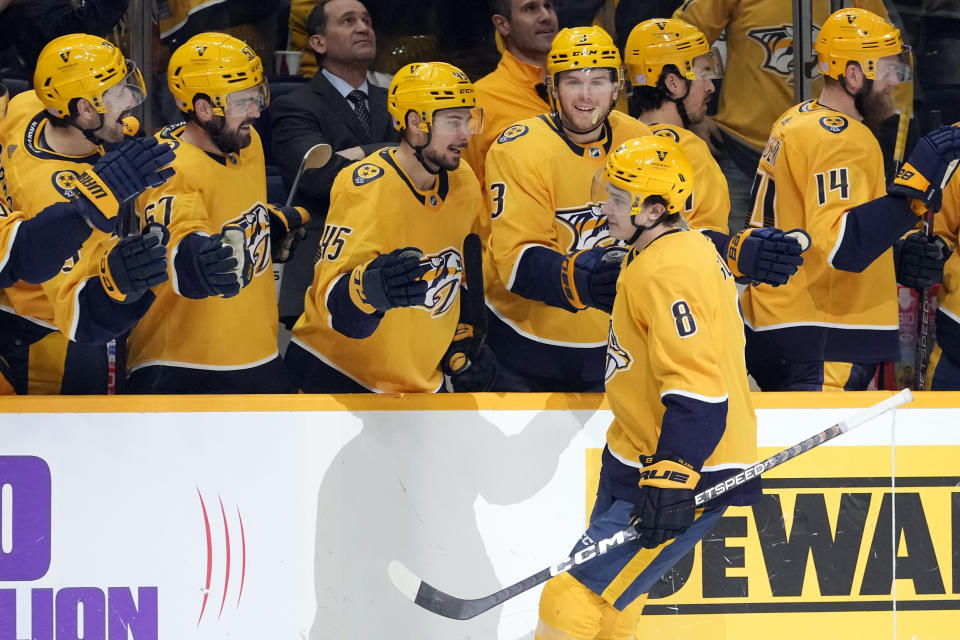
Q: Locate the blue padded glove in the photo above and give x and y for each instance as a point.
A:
(589, 277)
(929, 167)
(919, 259)
(766, 255)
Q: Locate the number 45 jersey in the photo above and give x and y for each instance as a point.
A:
(817, 165)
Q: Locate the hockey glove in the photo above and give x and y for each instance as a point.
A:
(389, 280)
(919, 259)
(286, 230)
(121, 175)
(132, 266)
(663, 506)
(468, 366)
(589, 277)
(766, 255)
(206, 267)
(929, 167)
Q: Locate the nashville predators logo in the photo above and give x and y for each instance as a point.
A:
(617, 357)
(667, 133)
(512, 133)
(777, 43)
(443, 280)
(366, 173)
(834, 124)
(255, 226)
(65, 55)
(65, 182)
(201, 49)
(587, 226)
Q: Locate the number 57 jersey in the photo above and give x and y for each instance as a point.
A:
(817, 165)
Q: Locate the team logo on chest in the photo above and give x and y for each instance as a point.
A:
(254, 225)
(443, 280)
(587, 225)
(617, 357)
(777, 43)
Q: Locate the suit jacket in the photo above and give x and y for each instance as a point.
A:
(312, 114)
(315, 113)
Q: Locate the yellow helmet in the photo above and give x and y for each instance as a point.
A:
(83, 66)
(214, 65)
(582, 48)
(644, 167)
(856, 35)
(427, 87)
(653, 44)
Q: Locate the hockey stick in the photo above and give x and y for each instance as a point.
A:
(448, 606)
(475, 299)
(316, 157)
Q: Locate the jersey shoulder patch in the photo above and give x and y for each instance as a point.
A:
(666, 132)
(834, 124)
(366, 172)
(512, 133)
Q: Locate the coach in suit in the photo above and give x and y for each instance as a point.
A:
(339, 107)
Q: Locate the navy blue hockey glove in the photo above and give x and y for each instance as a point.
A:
(589, 277)
(206, 267)
(919, 259)
(286, 230)
(766, 255)
(121, 175)
(929, 167)
(663, 506)
(390, 280)
(132, 266)
(468, 365)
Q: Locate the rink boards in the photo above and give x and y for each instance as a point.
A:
(248, 518)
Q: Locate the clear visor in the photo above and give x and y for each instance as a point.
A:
(449, 122)
(610, 199)
(127, 93)
(709, 65)
(897, 67)
(241, 101)
(4, 98)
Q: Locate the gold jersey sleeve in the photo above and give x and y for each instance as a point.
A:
(540, 193)
(207, 194)
(374, 209)
(758, 78)
(709, 205)
(816, 166)
(675, 330)
(9, 222)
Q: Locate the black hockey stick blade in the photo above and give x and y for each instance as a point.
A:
(475, 298)
(432, 599)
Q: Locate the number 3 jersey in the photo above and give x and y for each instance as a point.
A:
(374, 209)
(817, 165)
(675, 374)
(209, 193)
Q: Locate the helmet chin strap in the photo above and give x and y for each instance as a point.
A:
(639, 228)
(90, 134)
(418, 153)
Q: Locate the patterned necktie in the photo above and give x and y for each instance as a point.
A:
(359, 100)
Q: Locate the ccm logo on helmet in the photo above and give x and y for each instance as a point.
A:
(671, 476)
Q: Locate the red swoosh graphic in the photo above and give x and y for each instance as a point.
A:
(243, 565)
(226, 534)
(206, 524)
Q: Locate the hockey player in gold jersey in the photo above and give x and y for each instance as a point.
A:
(682, 415)
(822, 171)
(214, 327)
(69, 271)
(385, 310)
(550, 277)
(671, 68)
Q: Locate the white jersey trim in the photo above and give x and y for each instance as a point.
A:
(530, 336)
(950, 314)
(75, 320)
(13, 238)
(204, 367)
(836, 246)
(696, 396)
(828, 325)
(37, 321)
(713, 467)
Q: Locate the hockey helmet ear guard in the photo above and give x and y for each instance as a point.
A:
(857, 35)
(429, 88)
(84, 66)
(213, 65)
(644, 167)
